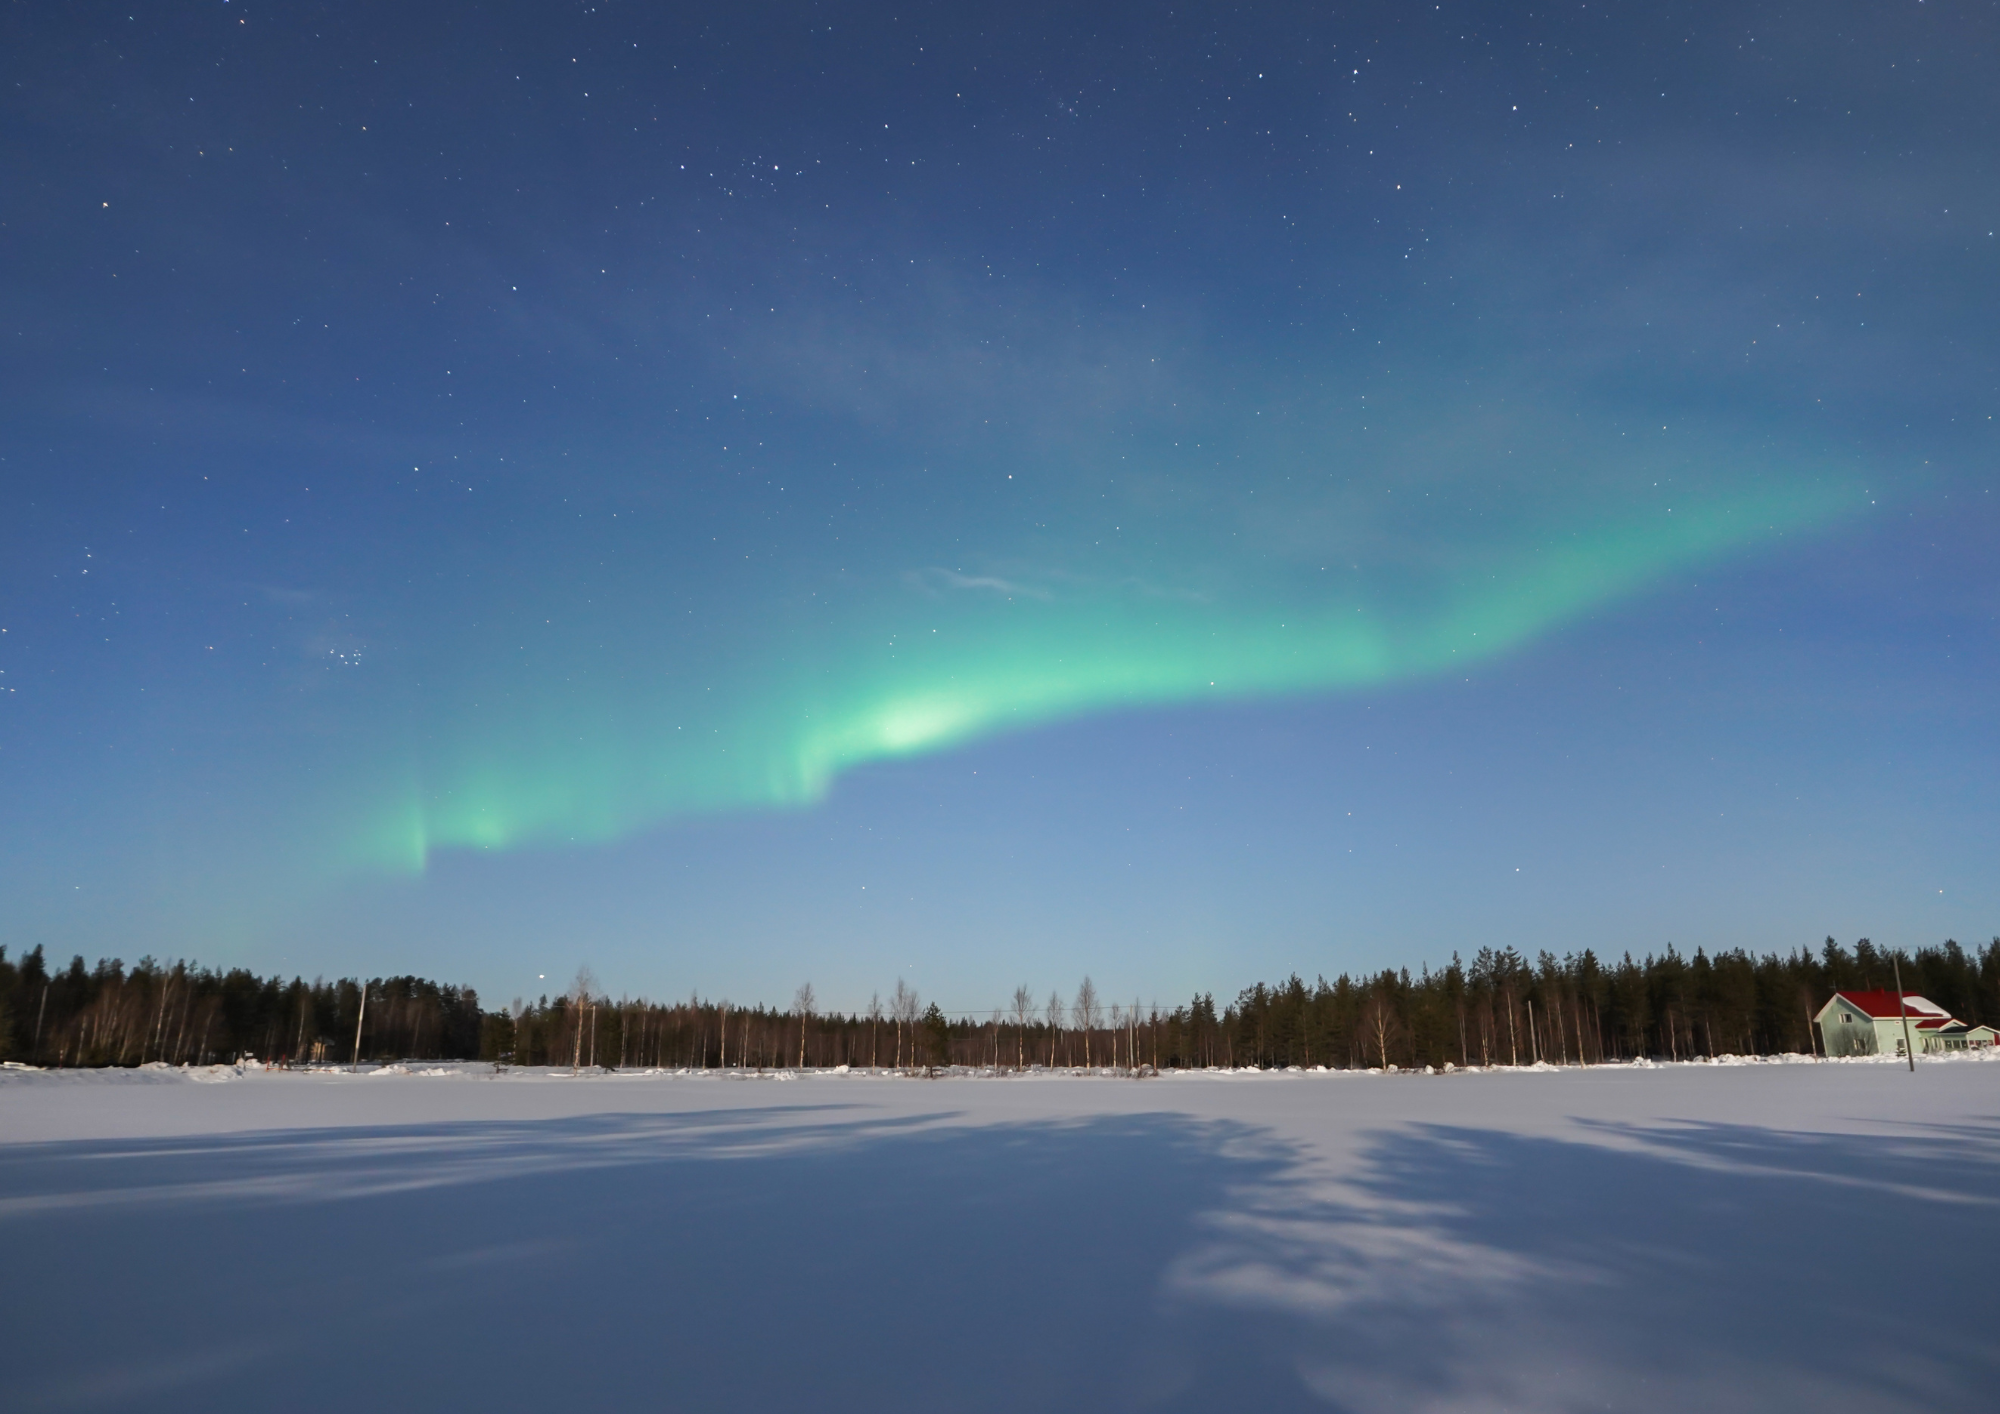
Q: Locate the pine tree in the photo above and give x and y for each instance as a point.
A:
(937, 1031)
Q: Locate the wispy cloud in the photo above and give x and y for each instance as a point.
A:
(937, 582)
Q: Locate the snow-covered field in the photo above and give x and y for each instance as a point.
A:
(1714, 1237)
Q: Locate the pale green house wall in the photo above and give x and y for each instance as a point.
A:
(1889, 1037)
(1848, 1031)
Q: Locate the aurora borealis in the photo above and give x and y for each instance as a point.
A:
(540, 484)
(844, 674)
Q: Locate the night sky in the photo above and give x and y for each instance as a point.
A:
(739, 494)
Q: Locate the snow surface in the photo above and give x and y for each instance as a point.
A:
(1721, 1237)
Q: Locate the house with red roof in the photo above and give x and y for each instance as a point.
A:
(1874, 1023)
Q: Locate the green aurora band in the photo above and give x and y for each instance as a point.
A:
(921, 660)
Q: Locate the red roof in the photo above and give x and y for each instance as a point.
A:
(1881, 1004)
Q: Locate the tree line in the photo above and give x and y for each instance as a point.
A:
(1499, 1009)
(112, 1015)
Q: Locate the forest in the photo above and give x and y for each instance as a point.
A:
(1500, 1009)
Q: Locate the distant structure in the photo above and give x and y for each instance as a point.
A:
(1871, 1024)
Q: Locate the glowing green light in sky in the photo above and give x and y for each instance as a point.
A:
(1215, 588)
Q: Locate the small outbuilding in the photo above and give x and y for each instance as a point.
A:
(1872, 1024)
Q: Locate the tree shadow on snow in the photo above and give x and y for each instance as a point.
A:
(1700, 1266)
(825, 1257)
(697, 1260)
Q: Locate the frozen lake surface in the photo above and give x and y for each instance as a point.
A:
(1752, 1237)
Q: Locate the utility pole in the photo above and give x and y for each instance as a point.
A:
(1902, 1008)
(357, 1023)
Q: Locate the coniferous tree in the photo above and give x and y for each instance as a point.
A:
(937, 1032)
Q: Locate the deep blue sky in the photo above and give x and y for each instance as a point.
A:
(756, 493)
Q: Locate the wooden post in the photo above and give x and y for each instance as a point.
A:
(1902, 1008)
(357, 1023)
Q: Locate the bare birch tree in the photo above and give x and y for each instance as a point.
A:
(904, 1008)
(579, 993)
(1086, 1013)
(1380, 1024)
(874, 1022)
(1055, 1020)
(1024, 1012)
(803, 1003)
